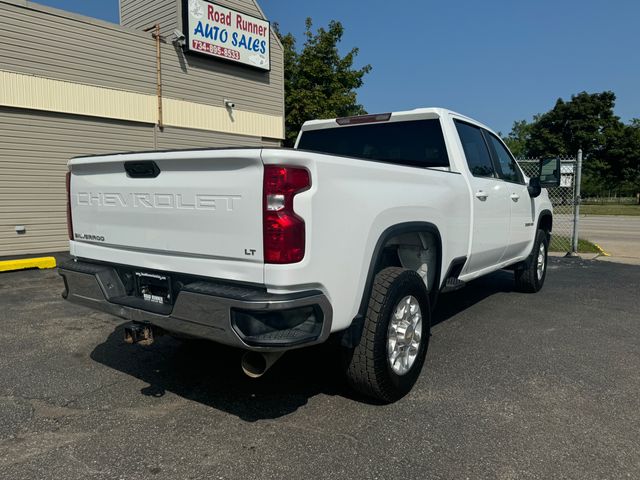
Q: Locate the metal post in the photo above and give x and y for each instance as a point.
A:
(576, 204)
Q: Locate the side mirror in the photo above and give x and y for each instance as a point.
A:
(534, 187)
(549, 172)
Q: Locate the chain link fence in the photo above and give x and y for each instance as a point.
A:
(563, 198)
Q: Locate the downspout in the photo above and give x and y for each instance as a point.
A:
(158, 38)
(156, 35)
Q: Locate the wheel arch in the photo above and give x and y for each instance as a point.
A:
(545, 220)
(351, 336)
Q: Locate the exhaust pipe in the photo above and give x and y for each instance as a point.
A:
(255, 364)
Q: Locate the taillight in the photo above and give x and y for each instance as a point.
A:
(69, 221)
(283, 230)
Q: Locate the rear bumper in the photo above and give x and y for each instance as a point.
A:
(239, 316)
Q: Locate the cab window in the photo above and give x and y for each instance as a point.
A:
(508, 170)
(475, 149)
(414, 143)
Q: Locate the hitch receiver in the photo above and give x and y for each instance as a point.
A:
(136, 333)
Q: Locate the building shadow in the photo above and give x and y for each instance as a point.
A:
(210, 374)
(180, 56)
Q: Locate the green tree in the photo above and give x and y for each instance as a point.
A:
(626, 154)
(586, 121)
(518, 137)
(611, 149)
(319, 82)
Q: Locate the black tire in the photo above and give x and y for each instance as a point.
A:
(527, 278)
(368, 368)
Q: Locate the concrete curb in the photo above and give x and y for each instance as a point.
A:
(583, 256)
(600, 257)
(24, 263)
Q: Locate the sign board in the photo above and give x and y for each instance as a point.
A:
(566, 175)
(566, 180)
(220, 32)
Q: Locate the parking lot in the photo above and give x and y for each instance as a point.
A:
(515, 386)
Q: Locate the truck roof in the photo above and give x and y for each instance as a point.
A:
(415, 114)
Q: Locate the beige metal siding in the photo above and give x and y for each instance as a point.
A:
(97, 53)
(34, 150)
(173, 137)
(142, 14)
(271, 142)
(211, 81)
(20, 90)
(31, 92)
(79, 51)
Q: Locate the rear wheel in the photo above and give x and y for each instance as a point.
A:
(387, 362)
(530, 278)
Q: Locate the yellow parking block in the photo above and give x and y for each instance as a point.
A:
(41, 262)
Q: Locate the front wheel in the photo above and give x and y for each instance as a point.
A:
(530, 278)
(387, 362)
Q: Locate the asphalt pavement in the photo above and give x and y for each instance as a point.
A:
(515, 386)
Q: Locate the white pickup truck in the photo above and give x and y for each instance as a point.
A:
(354, 234)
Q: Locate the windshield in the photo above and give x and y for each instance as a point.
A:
(417, 143)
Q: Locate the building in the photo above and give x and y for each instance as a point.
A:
(72, 85)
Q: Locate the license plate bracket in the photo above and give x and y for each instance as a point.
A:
(154, 287)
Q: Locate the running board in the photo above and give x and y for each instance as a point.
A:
(452, 284)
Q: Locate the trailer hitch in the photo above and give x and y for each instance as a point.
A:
(137, 333)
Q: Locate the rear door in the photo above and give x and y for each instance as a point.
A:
(521, 205)
(491, 210)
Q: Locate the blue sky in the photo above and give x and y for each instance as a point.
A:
(497, 60)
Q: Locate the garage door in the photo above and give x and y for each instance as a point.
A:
(34, 150)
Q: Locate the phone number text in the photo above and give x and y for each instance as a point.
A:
(215, 50)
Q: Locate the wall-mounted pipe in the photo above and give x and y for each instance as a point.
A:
(158, 38)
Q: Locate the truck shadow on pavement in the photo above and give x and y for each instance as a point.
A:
(210, 374)
(451, 304)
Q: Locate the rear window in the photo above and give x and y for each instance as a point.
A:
(416, 143)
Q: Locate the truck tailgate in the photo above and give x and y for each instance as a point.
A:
(202, 203)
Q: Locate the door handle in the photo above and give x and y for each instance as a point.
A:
(481, 195)
(515, 197)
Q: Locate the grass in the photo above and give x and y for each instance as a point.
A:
(561, 243)
(613, 209)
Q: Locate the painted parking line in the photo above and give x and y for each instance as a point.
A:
(601, 250)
